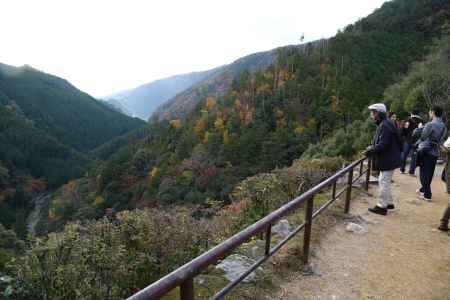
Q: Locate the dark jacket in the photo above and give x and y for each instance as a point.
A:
(414, 122)
(386, 146)
(417, 133)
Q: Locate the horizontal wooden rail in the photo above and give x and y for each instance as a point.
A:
(183, 277)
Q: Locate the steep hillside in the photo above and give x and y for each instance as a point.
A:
(264, 119)
(142, 101)
(118, 105)
(216, 84)
(47, 127)
(187, 169)
(52, 104)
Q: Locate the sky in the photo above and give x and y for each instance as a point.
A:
(106, 46)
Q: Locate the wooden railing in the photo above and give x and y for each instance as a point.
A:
(184, 276)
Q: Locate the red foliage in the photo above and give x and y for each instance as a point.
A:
(207, 173)
(35, 185)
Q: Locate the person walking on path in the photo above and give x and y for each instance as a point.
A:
(433, 136)
(385, 154)
(445, 174)
(407, 132)
(446, 217)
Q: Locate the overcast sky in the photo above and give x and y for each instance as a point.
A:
(106, 46)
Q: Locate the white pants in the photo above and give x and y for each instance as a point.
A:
(384, 185)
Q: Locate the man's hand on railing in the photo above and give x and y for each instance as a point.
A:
(368, 151)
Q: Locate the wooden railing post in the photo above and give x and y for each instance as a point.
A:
(187, 290)
(268, 238)
(308, 225)
(369, 170)
(349, 191)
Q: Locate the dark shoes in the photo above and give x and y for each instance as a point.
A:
(378, 210)
(390, 206)
(444, 228)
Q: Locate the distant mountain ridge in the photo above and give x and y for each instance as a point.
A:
(175, 96)
(183, 103)
(47, 126)
(143, 100)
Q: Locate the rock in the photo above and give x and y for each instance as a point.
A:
(6, 279)
(260, 244)
(355, 228)
(282, 228)
(366, 219)
(235, 265)
(362, 220)
(314, 253)
(309, 270)
(200, 281)
(255, 252)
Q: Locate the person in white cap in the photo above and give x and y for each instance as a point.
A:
(385, 153)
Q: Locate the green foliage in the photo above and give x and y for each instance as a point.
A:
(4, 175)
(309, 102)
(24, 147)
(345, 142)
(10, 246)
(266, 192)
(67, 114)
(45, 126)
(426, 84)
(108, 259)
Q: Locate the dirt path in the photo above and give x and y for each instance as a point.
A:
(402, 256)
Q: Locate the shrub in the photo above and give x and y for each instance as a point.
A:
(109, 258)
(266, 192)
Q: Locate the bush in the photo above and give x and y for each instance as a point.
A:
(108, 258)
(266, 192)
(344, 142)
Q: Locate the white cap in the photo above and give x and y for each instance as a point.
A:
(378, 107)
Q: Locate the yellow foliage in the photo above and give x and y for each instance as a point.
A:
(206, 138)
(281, 123)
(153, 172)
(278, 113)
(264, 88)
(311, 122)
(199, 125)
(210, 102)
(219, 124)
(237, 104)
(70, 186)
(284, 75)
(268, 75)
(334, 103)
(187, 174)
(58, 200)
(52, 214)
(226, 137)
(176, 124)
(248, 117)
(299, 130)
(99, 200)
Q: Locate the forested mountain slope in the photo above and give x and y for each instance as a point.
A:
(64, 112)
(265, 119)
(143, 100)
(215, 84)
(47, 127)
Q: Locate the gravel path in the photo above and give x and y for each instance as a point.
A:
(402, 256)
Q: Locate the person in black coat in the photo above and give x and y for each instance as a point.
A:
(411, 125)
(385, 153)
